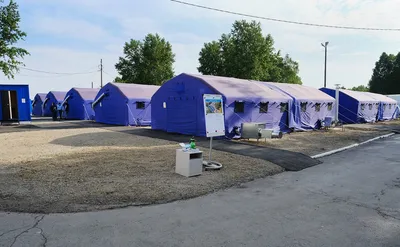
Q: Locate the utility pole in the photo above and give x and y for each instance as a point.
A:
(326, 55)
(101, 73)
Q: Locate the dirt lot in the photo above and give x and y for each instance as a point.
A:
(316, 142)
(70, 170)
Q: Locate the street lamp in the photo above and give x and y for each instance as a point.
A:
(326, 54)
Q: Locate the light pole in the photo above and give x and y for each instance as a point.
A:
(337, 86)
(326, 54)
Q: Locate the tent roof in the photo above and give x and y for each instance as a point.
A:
(58, 95)
(382, 98)
(87, 93)
(42, 96)
(240, 88)
(134, 91)
(360, 96)
(300, 92)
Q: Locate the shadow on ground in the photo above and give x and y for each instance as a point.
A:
(290, 161)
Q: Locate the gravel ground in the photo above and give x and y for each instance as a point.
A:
(73, 170)
(316, 142)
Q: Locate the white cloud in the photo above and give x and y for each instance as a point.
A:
(67, 27)
(57, 59)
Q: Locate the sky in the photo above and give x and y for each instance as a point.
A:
(71, 36)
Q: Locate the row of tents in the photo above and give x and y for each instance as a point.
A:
(177, 105)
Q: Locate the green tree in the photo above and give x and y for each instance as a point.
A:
(10, 34)
(146, 62)
(382, 74)
(360, 88)
(247, 54)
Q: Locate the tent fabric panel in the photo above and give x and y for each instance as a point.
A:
(233, 88)
(134, 91)
(139, 117)
(112, 109)
(178, 105)
(315, 105)
(52, 97)
(388, 106)
(79, 108)
(87, 93)
(38, 101)
(116, 108)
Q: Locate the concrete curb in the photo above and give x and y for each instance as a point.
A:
(351, 146)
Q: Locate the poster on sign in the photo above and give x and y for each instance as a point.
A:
(214, 115)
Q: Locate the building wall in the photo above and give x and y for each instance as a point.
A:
(24, 112)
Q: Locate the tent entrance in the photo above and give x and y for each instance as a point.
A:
(182, 114)
(9, 104)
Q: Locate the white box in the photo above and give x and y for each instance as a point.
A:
(189, 163)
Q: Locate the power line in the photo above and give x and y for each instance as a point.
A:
(49, 76)
(56, 73)
(285, 21)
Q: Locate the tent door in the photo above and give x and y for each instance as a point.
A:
(9, 104)
(182, 114)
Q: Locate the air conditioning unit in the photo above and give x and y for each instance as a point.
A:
(252, 130)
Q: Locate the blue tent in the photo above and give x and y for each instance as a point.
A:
(52, 97)
(178, 105)
(37, 104)
(387, 107)
(355, 107)
(14, 103)
(78, 103)
(309, 106)
(124, 104)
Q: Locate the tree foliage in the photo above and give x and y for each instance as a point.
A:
(10, 34)
(247, 54)
(146, 62)
(360, 88)
(386, 75)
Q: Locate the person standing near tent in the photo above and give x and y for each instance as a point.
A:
(60, 110)
(53, 110)
(66, 109)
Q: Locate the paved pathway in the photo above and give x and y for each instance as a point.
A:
(352, 199)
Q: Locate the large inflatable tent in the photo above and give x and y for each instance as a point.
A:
(52, 97)
(78, 103)
(178, 105)
(124, 104)
(309, 106)
(14, 103)
(387, 107)
(355, 107)
(37, 104)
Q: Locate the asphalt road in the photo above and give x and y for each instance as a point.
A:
(352, 199)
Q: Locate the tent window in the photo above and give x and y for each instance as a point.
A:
(390, 106)
(330, 106)
(303, 106)
(384, 106)
(284, 107)
(318, 107)
(239, 107)
(370, 106)
(140, 105)
(362, 107)
(264, 107)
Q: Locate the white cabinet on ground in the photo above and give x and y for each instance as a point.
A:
(189, 162)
